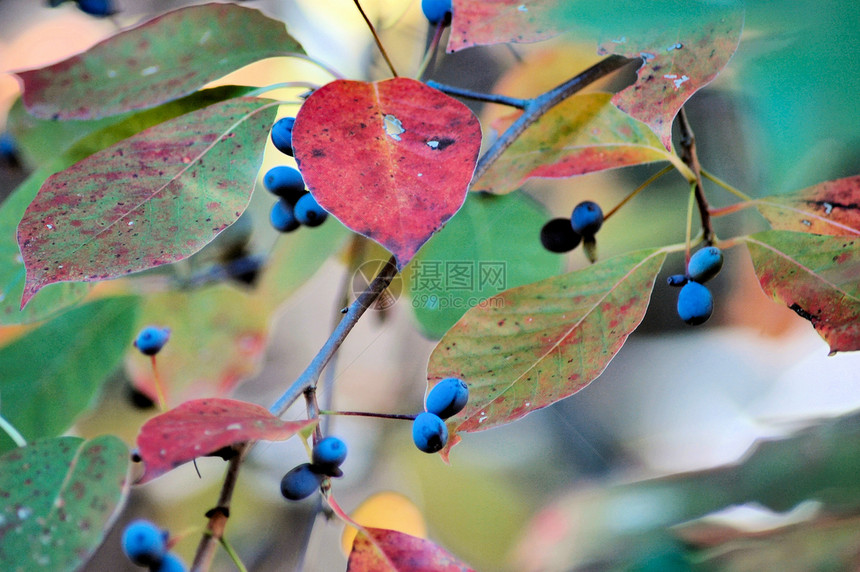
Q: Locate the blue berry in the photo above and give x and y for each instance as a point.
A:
(151, 339)
(309, 212)
(429, 432)
(558, 236)
(676, 280)
(587, 218)
(705, 264)
(448, 397)
(283, 217)
(144, 543)
(96, 7)
(695, 303)
(328, 454)
(282, 135)
(285, 182)
(300, 482)
(437, 10)
(170, 563)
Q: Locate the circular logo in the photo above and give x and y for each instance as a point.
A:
(365, 274)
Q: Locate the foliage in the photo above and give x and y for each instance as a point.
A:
(151, 168)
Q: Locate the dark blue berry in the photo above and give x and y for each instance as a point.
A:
(282, 135)
(144, 543)
(96, 7)
(170, 563)
(309, 212)
(151, 339)
(587, 218)
(283, 217)
(300, 482)
(285, 182)
(448, 397)
(705, 264)
(558, 236)
(695, 303)
(437, 10)
(328, 454)
(245, 270)
(429, 432)
(676, 280)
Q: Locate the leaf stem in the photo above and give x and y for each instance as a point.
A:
(331, 71)
(13, 433)
(639, 189)
(727, 210)
(479, 96)
(404, 416)
(431, 50)
(714, 179)
(283, 85)
(690, 157)
(539, 105)
(159, 388)
(354, 311)
(233, 556)
(376, 38)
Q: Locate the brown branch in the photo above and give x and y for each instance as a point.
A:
(691, 159)
(376, 38)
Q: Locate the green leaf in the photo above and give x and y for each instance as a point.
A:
(163, 59)
(583, 134)
(531, 346)
(152, 199)
(816, 277)
(490, 245)
(58, 499)
(53, 373)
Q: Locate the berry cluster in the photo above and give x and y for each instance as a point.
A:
(447, 398)
(146, 545)
(326, 458)
(695, 303)
(296, 206)
(563, 235)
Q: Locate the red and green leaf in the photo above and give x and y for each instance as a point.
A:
(160, 60)
(831, 207)
(58, 499)
(818, 277)
(200, 427)
(531, 346)
(679, 58)
(381, 550)
(392, 160)
(583, 134)
(485, 22)
(154, 198)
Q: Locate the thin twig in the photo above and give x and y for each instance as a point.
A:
(713, 178)
(638, 190)
(478, 96)
(429, 55)
(691, 159)
(376, 38)
(309, 377)
(404, 416)
(538, 106)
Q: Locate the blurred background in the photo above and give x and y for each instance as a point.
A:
(618, 476)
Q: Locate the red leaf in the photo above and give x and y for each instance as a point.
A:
(154, 198)
(679, 59)
(392, 160)
(484, 22)
(832, 207)
(380, 550)
(582, 134)
(197, 428)
(818, 277)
